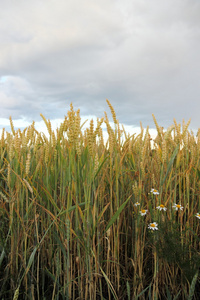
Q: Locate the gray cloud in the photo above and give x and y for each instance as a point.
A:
(143, 56)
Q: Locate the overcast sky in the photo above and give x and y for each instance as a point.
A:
(143, 56)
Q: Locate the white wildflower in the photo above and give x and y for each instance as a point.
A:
(161, 207)
(153, 226)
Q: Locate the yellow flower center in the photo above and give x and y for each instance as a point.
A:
(153, 225)
(161, 205)
(179, 206)
(198, 215)
(143, 211)
(155, 191)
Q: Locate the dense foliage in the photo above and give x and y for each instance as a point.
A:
(77, 214)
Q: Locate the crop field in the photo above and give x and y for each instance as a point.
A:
(81, 218)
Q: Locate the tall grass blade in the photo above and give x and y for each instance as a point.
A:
(192, 287)
(140, 294)
(3, 250)
(36, 248)
(176, 297)
(116, 215)
(170, 163)
(128, 290)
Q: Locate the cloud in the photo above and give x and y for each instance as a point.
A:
(143, 56)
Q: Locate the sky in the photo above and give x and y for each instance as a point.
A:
(143, 56)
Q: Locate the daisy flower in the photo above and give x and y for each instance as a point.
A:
(161, 207)
(143, 212)
(153, 226)
(137, 203)
(177, 206)
(198, 215)
(155, 192)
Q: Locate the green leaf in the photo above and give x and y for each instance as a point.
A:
(198, 172)
(169, 297)
(170, 163)
(101, 165)
(31, 259)
(109, 284)
(176, 297)
(116, 215)
(128, 290)
(3, 251)
(142, 292)
(192, 287)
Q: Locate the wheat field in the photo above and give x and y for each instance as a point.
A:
(82, 218)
